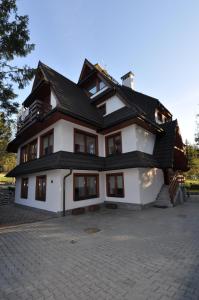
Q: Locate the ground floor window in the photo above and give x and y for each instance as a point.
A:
(24, 188)
(41, 188)
(86, 186)
(115, 185)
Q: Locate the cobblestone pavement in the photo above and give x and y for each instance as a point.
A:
(150, 254)
(15, 215)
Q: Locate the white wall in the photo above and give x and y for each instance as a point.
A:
(136, 138)
(131, 187)
(141, 186)
(64, 139)
(70, 204)
(150, 183)
(133, 138)
(53, 191)
(145, 140)
(112, 104)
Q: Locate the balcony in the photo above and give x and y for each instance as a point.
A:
(36, 111)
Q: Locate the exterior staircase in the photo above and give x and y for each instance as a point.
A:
(163, 199)
(172, 194)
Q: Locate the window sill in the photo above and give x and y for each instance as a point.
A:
(86, 198)
(43, 200)
(116, 196)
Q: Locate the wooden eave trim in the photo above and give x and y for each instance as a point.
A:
(89, 64)
(89, 76)
(135, 120)
(36, 89)
(103, 97)
(50, 119)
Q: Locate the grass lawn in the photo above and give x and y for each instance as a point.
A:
(189, 183)
(6, 180)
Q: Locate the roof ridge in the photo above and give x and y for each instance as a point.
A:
(57, 73)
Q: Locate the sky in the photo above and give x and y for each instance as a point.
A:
(157, 40)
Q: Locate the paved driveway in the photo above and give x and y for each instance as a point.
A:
(11, 215)
(151, 254)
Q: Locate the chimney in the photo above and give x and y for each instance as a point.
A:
(128, 80)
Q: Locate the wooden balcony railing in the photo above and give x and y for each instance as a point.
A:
(37, 110)
(174, 185)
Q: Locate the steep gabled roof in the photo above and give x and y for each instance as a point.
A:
(71, 97)
(164, 144)
(144, 102)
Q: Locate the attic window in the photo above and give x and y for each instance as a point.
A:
(95, 87)
(102, 109)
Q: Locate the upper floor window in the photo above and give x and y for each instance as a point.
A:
(102, 109)
(95, 87)
(85, 142)
(24, 188)
(46, 143)
(29, 151)
(114, 144)
(86, 186)
(41, 188)
(24, 154)
(33, 150)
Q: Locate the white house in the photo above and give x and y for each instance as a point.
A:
(94, 142)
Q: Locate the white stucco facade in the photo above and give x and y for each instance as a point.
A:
(141, 187)
(112, 104)
(134, 138)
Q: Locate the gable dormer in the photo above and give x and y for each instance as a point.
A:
(40, 101)
(92, 80)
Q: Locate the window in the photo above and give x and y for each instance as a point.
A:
(114, 144)
(41, 188)
(95, 87)
(92, 89)
(86, 186)
(32, 150)
(102, 109)
(24, 154)
(115, 185)
(29, 151)
(85, 142)
(46, 144)
(24, 188)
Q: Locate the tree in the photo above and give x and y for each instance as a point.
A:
(197, 130)
(14, 37)
(7, 160)
(193, 161)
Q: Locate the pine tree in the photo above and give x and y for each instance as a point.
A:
(14, 37)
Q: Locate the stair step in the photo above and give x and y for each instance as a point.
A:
(163, 199)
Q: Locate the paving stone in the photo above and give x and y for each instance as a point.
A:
(150, 254)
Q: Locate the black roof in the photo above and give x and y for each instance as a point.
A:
(72, 100)
(164, 144)
(69, 160)
(146, 103)
(75, 102)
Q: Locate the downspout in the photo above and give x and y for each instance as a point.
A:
(64, 200)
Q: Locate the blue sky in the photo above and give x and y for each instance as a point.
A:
(157, 40)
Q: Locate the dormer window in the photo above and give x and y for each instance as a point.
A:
(95, 87)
